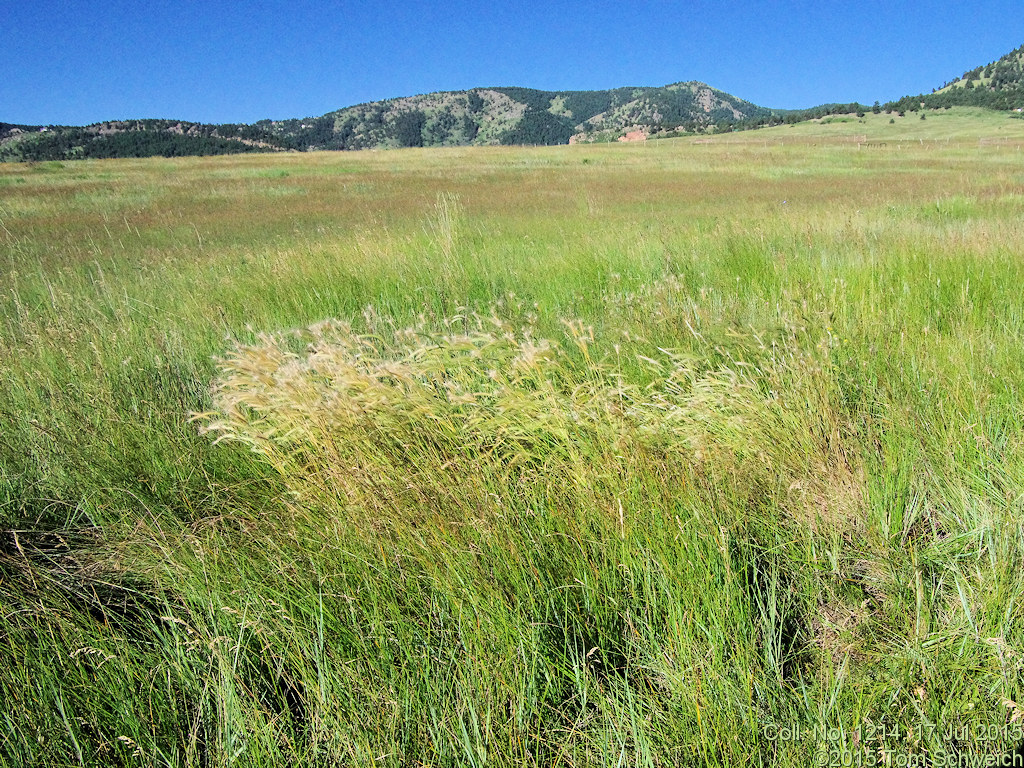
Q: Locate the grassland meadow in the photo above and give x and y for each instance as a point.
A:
(683, 452)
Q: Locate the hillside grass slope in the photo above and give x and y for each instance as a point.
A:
(591, 455)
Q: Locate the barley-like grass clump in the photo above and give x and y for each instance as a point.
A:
(403, 425)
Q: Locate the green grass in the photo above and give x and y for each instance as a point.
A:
(960, 124)
(593, 455)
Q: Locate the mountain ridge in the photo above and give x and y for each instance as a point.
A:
(515, 115)
(998, 85)
(499, 115)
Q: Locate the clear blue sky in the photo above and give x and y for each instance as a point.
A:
(83, 61)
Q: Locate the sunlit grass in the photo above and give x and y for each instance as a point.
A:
(589, 455)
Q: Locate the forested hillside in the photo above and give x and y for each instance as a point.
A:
(479, 116)
(491, 116)
(997, 85)
(516, 116)
(131, 138)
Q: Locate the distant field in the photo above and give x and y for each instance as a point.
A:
(938, 125)
(594, 455)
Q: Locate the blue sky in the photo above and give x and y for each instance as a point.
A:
(77, 62)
